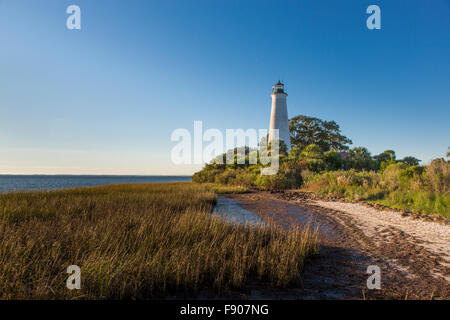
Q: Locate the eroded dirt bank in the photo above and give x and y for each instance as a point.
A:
(413, 255)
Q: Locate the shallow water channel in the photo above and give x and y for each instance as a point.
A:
(230, 210)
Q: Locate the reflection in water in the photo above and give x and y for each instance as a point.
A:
(230, 210)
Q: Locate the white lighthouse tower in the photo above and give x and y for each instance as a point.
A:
(279, 115)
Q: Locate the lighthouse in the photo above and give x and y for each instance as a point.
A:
(279, 115)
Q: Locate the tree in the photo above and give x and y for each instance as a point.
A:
(385, 159)
(311, 152)
(314, 158)
(333, 160)
(295, 153)
(411, 161)
(387, 155)
(359, 158)
(308, 130)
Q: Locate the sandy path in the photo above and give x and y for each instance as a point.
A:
(413, 255)
(434, 237)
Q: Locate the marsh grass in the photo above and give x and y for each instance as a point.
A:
(225, 189)
(138, 241)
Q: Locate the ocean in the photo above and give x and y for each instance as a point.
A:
(55, 182)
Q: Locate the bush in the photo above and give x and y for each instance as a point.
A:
(316, 165)
(438, 176)
(226, 177)
(275, 182)
(417, 188)
(333, 160)
(410, 161)
(359, 158)
(397, 183)
(390, 177)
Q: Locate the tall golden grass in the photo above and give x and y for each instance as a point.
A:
(138, 241)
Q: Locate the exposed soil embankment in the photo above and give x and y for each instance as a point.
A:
(413, 255)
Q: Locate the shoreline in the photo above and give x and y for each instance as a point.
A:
(301, 196)
(30, 183)
(412, 254)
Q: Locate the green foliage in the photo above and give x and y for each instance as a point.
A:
(384, 164)
(333, 160)
(417, 188)
(226, 177)
(308, 130)
(295, 152)
(274, 182)
(388, 155)
(411, 161)
(412, 172)
(312, 152)
(391, 176)
(359, 158)
(209, 173)
(315, 163)
(249, 174)
(421, 201)
(438, 176)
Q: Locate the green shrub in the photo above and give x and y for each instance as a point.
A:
(333, 160)
(275, 182)
(312, 151)
(397, 183)
(390, 177)
(226, 177)
(359, 158)
(410, 161)
(417, 188)
(316, 165)
(438, 176)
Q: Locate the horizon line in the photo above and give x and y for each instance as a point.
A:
(95, 174)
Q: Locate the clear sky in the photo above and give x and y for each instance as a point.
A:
(105, 99)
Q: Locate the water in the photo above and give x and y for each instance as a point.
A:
(230, 210)
(46, 182)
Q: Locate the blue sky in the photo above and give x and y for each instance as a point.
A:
(105, 99)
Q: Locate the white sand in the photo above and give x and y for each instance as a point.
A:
(435, 236)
